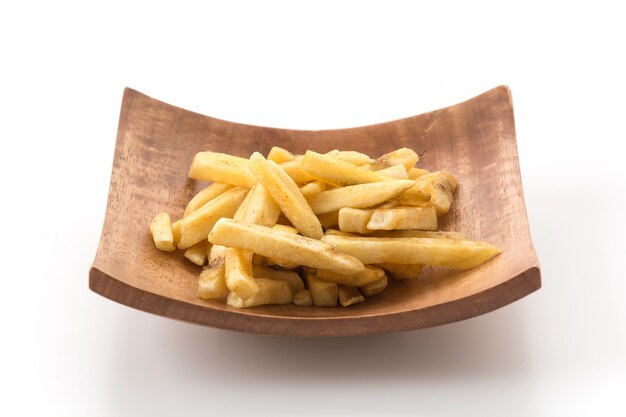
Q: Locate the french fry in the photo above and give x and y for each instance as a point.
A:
(434, 189)
(419, 233)
(367, 276)
(211, 284)
(212, 281)
(404, 156)
(312, 188)
(286, 229)
(462, 254)
(417, 195)
(197, 253)
(414, 173)
(293, 279)
(280, 262)
(357, 196)
(302, 298)
(222, 168)
(295, 171)
(287, 195)
(270, 292)
(330, 219)
(349, 296)
(375, 287)
(217, 255)
(442, 194)
(367, 221)
(206, 195)
(161, 231)
(323, 293)
(239, 278)
(401, 218)
(258, 207)
(299, 249)
(395, 171)
(353, 157)
(402, 271)
(354, 220)
(280, 155)
(337, 172)
(196, 226)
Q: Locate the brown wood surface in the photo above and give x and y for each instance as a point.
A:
(475, 140)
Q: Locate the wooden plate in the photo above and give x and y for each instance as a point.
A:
(474, 140)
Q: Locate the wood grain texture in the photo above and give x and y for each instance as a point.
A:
(475, 140)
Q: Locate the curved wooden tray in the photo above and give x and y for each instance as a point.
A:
(475, 140)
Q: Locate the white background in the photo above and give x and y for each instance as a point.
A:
(315, 64)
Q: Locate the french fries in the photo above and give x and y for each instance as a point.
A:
(367, 276)
(395, 171)
(404, 156)
(221, 168)
(280, 262)
(291, 278)
(402, 218)
(357, 196)
(375, 287)
(285, 229)
(273, 244)
(419, 233)
(238, 270)
(312, 188)
(161, 231)
(354, 220)
(302, 298)
(349, 296)
(397, 218)
(323, 293)
(434, 189)
(197, 253)
(415, 173)
(296, 173)
(270, 291)
(258, 207)
(461, 254)
(198, 224)
(268, 226)
(353, 157)
(402, 271)
(212, 284)
(217, 255)
(286, 194)
(443, 187)
(280, 155)
(204, 196)
(337, 172)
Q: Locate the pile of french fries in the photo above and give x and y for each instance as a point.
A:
(314, 229)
